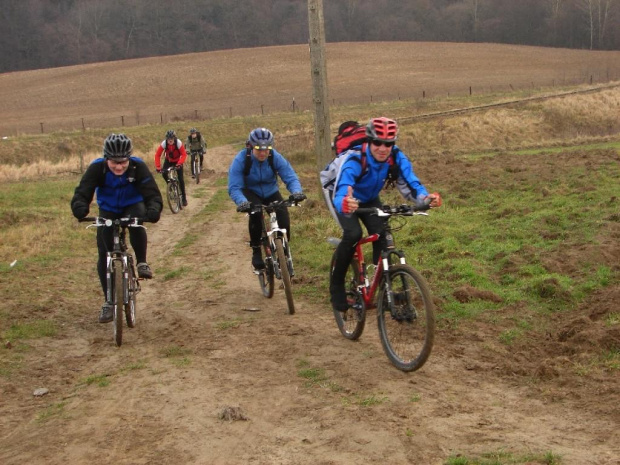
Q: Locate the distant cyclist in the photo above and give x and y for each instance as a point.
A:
(360, 187)
(197, 145)
(125, 187)
(253, 180)
(175, 155)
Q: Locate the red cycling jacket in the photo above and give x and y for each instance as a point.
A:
(175, 153)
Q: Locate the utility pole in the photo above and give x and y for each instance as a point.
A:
(318, 70)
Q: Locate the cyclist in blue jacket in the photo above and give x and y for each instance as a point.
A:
(253, 180)
(125, 187)
(361, 178)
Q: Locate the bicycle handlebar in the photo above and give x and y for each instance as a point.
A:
(389, 210)
(273, 206)
(130, 221)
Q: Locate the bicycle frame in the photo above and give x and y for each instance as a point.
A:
(271, 231)
(368, 289)
(119, 253)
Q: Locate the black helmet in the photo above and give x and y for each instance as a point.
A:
(117, 146)
(193, 131)
(170, 134)
(261, 138)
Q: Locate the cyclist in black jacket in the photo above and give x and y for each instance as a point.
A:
(125, 187)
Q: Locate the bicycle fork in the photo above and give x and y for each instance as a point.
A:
(385, 258)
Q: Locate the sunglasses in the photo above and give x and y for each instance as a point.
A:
(258, 147)
(378, 143)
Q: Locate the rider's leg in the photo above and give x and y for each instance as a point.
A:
(255, 228)
(164, 170)
(352, 233)
(375, 225)
(182, 185)
(202, 159)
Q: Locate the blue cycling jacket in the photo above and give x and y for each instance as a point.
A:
(367, 187)
(261, 180)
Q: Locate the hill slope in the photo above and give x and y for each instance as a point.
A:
(252, 81)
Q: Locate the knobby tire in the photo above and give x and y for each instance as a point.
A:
(407, 335)
(130, 307)
(197, 169)
(286, 276)
(352, 322)
(266, 276)
(174, 197)
(117, 299)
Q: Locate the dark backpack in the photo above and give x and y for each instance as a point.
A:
(350, 134)
(248, 160)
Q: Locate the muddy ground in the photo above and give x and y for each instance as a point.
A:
(210, 375)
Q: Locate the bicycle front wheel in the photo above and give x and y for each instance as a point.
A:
(117, 299)
(286, 276)
(130, 306)
(174, 198)
(197, 169)
(407, 330)
(352, 322)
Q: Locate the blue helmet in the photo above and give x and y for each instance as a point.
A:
(261, 138)
(117, 147)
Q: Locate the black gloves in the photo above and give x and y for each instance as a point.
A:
(244, 207)
(297, 197)
(80, 210)
(153, 215)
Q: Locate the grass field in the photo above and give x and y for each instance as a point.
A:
(522, 260)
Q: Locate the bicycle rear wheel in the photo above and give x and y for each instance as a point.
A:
(130, 307)
(117, 299)
(174, 198)
(266, 275)
(407, 333)
(286, 276)
(352, 322)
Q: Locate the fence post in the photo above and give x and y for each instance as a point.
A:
(41, 127)
(590, 79)
(230, 111)
(83, 127)
(196, 113)
(293, 104)
(469, 90)
(262, 110)
(161, 118)
(122, 120)
(423, 94)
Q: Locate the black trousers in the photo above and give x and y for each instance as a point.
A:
(255, 222)
(105, 239)
(167, 165)
(352, 233)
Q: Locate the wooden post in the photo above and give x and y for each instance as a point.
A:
(196, 114)
(41, 127)
(318, 72)
(230, 111)
(122, 120)
(262, 109)
(83, 126)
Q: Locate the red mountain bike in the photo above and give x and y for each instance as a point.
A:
(405, 310)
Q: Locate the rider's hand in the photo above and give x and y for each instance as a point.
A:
(297, 197)
(80, 210)
(350, 203)
(434, 200)
(153, 215)
(244, 207)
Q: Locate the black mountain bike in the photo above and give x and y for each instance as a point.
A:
(277, 252)
(173, 190)
(123, 283)
(405, 309)
(196, 170)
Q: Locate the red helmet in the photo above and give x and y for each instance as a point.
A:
(382, 129)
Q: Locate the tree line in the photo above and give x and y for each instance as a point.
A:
(38, 34)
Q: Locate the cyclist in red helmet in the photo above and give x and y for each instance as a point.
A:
(362, 176)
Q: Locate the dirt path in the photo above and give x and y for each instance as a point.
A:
(207, 343)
